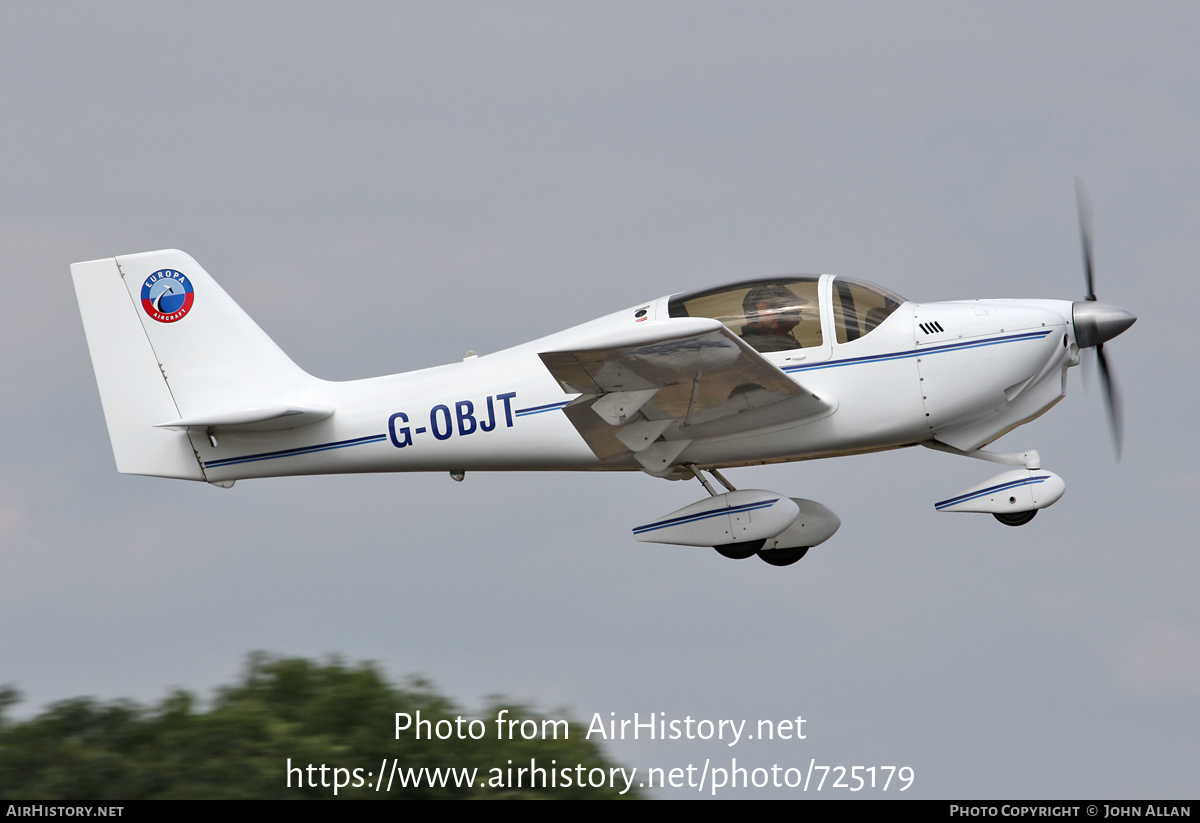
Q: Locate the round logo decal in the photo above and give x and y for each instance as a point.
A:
(167, 295)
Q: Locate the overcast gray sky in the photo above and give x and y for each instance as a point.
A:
(384, 186)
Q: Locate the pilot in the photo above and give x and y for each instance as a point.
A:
(772, 311)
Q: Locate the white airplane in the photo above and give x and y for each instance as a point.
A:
(764, 371)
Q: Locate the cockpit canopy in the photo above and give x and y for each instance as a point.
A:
(784, 313)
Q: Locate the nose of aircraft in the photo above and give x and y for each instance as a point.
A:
(1096, 323)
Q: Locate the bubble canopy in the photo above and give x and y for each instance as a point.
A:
(784, 313)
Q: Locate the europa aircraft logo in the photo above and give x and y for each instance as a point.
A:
(167, 295)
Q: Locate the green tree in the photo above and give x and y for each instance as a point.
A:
(282, 709)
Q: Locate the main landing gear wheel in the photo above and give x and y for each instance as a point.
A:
(1015, 518)
(740, 551)
(783, 557)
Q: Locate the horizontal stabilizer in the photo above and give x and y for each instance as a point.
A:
(267, 417)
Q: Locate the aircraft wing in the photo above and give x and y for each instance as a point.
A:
(654, 388)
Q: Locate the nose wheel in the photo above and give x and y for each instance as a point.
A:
(1015, 518)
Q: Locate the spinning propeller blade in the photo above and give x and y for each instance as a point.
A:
(1084, 204)
(1112, 397)
(1096, 322)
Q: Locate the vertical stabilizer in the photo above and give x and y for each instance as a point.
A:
(167, 344)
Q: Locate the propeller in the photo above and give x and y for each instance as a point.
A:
(1084, 207)
(1097, 322)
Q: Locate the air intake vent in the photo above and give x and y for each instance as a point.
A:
(932, 328)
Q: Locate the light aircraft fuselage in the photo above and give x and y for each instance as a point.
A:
(778, 369)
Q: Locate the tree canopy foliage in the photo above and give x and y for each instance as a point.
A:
(282, 709)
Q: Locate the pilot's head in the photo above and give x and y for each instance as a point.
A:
(773, 308)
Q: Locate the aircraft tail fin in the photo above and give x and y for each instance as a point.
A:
(172, 353)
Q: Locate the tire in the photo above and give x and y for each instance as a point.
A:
(1015, 518)
(783, 557)
(739, 551)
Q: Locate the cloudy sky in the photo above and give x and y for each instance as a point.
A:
(384, 186)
